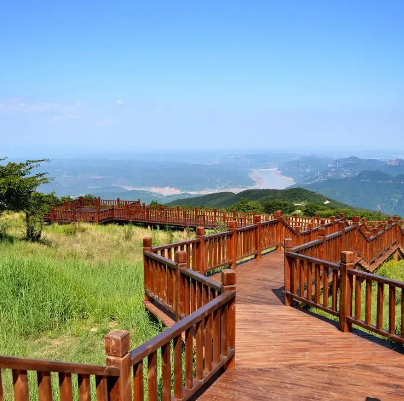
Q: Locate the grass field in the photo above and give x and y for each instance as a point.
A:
(61, 296)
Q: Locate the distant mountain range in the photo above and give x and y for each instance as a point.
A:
(306, 170)
(375, 190)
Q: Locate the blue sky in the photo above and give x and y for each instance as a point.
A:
(123, 76)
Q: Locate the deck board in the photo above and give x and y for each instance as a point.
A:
(285, 353)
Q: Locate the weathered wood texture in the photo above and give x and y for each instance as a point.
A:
(285, 353)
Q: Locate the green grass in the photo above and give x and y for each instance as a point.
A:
(61, 296)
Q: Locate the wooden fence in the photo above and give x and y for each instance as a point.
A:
(325, 273)
(211, 252)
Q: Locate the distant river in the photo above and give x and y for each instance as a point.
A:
(270, 179)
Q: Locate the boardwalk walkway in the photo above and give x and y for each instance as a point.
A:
(285, 353)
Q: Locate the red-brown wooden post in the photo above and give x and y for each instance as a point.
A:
(257, 223)
(147, 246)
(345, 304)
(214, 216)
(196, 216)
(341, 229)
(279, 226)
(233, 244)
(200, 251)
(355, 222)
(397, 227)
(322, 249)
(333, 227)
(117, 346)
(181, 261)
(310, 228)
(147, 210)
(288, 266)
(118, 203)
(229, 284)
(80, 202)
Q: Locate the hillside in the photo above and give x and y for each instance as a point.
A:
(373, 190)
(225, 199)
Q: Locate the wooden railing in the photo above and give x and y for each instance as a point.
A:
(103, 211)
(74, 380)
(209, 334)
(324, 273)
(210, 252)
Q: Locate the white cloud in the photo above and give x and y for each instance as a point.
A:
(119, 102)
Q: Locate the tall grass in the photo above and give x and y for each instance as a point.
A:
(61, 296)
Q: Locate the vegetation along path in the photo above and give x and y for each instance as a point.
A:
(285, 353)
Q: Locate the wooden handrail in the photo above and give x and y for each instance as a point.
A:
(167, 335)
(39, 365)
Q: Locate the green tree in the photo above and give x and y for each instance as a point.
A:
(18, 193)
(313, 209)
(274, 205)
(247, 206)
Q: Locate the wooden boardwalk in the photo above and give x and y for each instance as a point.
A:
(285, 353)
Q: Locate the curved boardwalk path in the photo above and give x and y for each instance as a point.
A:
(285, 353)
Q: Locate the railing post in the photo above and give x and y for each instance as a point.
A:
(310, 228)
(181, 261)
(117, 345)
(279, 240)
(333, 223)
(341, 229)
(229, 284)
(233, 247)
(397, 226)
(322, 249)
(257, 222)
(345, 301)
(147, 210)
(118, 202)
(355, 221)
(288, 266)
(200, 251)
(147, 246)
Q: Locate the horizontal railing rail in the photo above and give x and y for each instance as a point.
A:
(74, 380)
